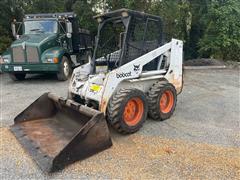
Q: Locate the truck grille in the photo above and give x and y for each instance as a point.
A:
(32, 54)
(18, 54)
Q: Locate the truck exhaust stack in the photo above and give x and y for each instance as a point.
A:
(57, 132)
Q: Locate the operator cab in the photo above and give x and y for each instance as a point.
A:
(124, 35)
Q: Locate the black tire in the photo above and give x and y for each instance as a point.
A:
(116, 109)
(65, 69)
(155, 94)
(17, 76)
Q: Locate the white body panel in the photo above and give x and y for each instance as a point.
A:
(100, 87)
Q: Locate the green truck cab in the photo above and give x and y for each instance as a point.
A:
(49, 43)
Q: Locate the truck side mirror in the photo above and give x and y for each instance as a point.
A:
(14, 33)
(16, 27)
(69, 29)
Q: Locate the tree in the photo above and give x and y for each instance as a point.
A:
(5, 39)
(44, 6)
(85, 11)
(173, 21)
(9, 10)
(198, 9)
(222, 35)
(207, 27)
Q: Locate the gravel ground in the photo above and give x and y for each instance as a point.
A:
(204, 62)
(211, 62)
(200, 141)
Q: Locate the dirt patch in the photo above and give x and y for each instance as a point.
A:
(141, 157)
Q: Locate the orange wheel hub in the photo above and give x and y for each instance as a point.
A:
(166, 101)
(133, 111)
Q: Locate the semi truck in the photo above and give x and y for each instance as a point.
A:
(47, 43)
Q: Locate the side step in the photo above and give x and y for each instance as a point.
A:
(57, 132)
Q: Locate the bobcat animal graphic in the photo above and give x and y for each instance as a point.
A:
(136, 67)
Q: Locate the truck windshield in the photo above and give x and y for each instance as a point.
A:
(36, 27)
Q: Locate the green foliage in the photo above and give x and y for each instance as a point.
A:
(9, 9)
(84, 10)
(5, 40)
(45, 6)
(207, 27)
(169, 11)
(139, 5)
(222, 35)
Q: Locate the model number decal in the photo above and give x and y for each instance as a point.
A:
(123, 75)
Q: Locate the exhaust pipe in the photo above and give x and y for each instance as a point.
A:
(57, 132)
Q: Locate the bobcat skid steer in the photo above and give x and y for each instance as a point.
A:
(132, 74)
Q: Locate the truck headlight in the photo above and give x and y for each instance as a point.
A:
(1, 60)
(4, 60)
(52, 60)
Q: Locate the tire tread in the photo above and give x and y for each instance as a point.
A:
(153, 99)
(114, 106)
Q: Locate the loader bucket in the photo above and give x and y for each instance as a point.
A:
(57, 132)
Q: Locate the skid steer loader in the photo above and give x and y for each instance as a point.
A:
(132, 74)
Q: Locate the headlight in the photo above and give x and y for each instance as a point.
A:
(1, 60)
(4, 60)
(52, 60)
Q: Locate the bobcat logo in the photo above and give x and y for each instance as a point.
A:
(136, 68)
(123, 75)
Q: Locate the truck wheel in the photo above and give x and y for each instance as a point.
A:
(17, 76)
(162, 99)
(127, 110)
(65, 69)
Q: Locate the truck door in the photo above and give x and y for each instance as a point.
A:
(65, 42)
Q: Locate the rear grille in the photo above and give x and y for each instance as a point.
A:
(32, 54)
(18, 54)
